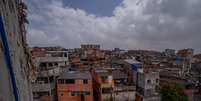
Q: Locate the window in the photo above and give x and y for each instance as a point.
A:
(148, 81)
(56, 64)
(61, 81)
(65, 54)
(4, 1)
(85, 81)
(157, 80)
(51, 79)
(106, 90)
(50, 64)
(87, 93)
(42, 64)
(61, 94)
(70, 81)
(85, 63)
(72, 93)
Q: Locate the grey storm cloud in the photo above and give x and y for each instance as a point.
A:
(136, 24)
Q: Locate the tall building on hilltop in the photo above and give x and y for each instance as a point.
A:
(16, 70)
(169, 52)
(90, 46)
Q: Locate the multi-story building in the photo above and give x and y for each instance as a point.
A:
(75, 86)
(16, 70)
(88, 56)
(50, 62)
(122, 90)
(103, 84)
(169, 52)
(147, 88)
(90, 46)
(184, 60)
(188, 53)
(131, 67)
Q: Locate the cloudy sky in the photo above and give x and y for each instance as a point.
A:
(129, 24)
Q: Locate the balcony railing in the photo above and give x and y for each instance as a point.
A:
(52, 59)
(124, 88)
(52, 72)
(42, 87)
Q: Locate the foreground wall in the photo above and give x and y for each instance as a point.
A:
(13, 16)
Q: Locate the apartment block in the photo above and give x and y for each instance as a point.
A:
(103, 84)
(147, 86)
(122, 90)
(131, 67)
(50, 62)
(88, 56)
(75, 86)
(90, 46)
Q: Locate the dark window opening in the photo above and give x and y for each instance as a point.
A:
(87, 93)
(72, 94)
(62, 94)
(157, 80)
(82, 97)
(85, 81)
(4, 1)
(106, 90)
(148, 81)
(61, 81)
(50, 64)
(42, 64)
(51, 79)
(70, 81)
(65, 54)
(85, 63)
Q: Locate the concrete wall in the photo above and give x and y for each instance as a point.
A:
(152, 77)
(148, 84)
(125, 96)
(19, 55)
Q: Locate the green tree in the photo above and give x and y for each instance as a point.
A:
(173, 92)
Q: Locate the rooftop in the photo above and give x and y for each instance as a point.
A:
(75, 75)
(102, 72)
(132, 61)
(117, 74)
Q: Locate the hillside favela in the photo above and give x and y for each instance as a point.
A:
(100, 50)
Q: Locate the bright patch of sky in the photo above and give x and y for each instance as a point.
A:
(128, 24)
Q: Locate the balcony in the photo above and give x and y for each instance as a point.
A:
(52, 72)
(42, 87)
(52, 59)
(124, 88)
